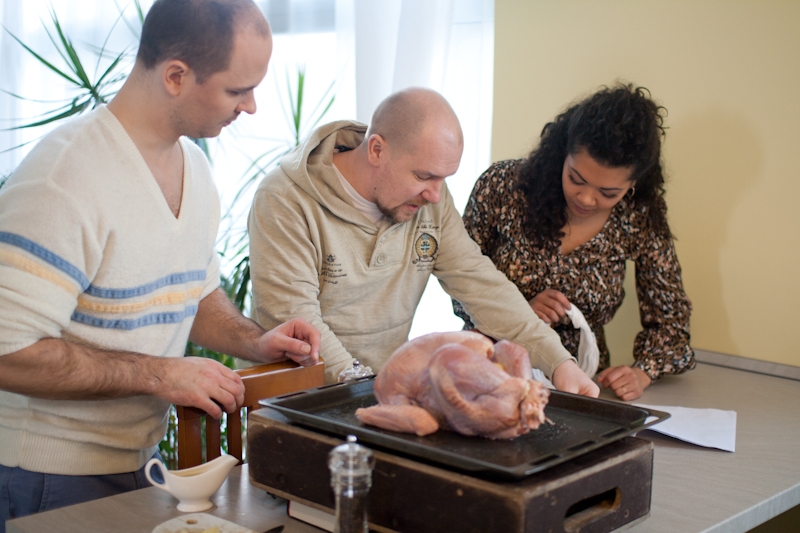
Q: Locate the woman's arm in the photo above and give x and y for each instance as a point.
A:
(663, 346)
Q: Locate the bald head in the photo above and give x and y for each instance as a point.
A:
(408, 117)
(200, 33)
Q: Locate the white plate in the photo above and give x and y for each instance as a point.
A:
(200, 523)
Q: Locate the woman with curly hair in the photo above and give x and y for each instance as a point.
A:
(561, 224)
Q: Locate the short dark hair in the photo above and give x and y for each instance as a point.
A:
(620, 126)
(198, 32)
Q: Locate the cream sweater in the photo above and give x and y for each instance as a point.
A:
(90, 252)
(315, 255)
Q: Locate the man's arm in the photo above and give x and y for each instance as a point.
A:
(56, 369)
(60, 370)
(219, 326)
(569, 377)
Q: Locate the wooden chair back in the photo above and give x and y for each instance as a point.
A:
(263, 381)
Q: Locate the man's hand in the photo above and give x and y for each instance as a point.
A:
(569, 377)
(56, 369)
(627, 382)
(550, 305)
(296, 340)
(199, 382)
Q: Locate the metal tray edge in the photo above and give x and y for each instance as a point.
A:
(444, 457)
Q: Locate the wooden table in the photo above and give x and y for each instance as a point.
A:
(141, 511)
(694, 489)
(698, 489)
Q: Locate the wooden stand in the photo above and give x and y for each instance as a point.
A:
(594, 493)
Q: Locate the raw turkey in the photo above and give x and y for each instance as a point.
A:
(460, 381)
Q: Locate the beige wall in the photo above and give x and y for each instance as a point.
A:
(729, 74)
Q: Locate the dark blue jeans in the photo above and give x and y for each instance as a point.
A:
(23, 492)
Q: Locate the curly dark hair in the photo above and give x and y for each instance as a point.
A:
(619, 126)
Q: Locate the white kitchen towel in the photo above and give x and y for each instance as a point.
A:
(539, 376)
(588, 353)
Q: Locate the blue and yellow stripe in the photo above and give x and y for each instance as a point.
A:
(101, 306)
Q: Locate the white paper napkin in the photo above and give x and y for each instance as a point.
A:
(711, 428)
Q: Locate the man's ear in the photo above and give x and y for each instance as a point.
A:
(376, 150)
(175, 76)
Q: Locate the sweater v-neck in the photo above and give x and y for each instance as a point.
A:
(148, 179)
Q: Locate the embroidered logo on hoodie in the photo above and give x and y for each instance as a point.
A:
(425, 247)
(332, 270)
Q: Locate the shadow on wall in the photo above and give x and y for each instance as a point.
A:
(711, 159)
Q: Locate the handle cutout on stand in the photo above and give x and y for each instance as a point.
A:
(588, 510)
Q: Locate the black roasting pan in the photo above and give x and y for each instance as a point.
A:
(580, 425)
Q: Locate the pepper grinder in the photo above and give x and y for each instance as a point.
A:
(357, 372)
(351, 478)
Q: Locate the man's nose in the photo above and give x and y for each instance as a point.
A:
(433, 192)
(248, 103)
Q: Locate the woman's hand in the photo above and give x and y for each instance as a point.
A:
(550, 305)
(627, 382)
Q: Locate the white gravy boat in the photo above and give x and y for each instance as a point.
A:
(193, 486)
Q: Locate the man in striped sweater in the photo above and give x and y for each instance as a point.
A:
(108, 266)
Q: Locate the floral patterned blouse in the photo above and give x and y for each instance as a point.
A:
(590, 276)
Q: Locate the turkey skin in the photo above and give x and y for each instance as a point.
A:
(460, 381)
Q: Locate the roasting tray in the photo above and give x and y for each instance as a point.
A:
(580, 425)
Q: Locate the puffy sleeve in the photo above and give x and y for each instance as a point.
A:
(662, 347)
(481, 214)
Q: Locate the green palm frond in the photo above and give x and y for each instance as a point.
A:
(43, 60)
(297, 102)
(21, 145)
(294, 116)
(294, 113)
(19, 97)
(90, 93)
(77, 106)
(135, 30)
